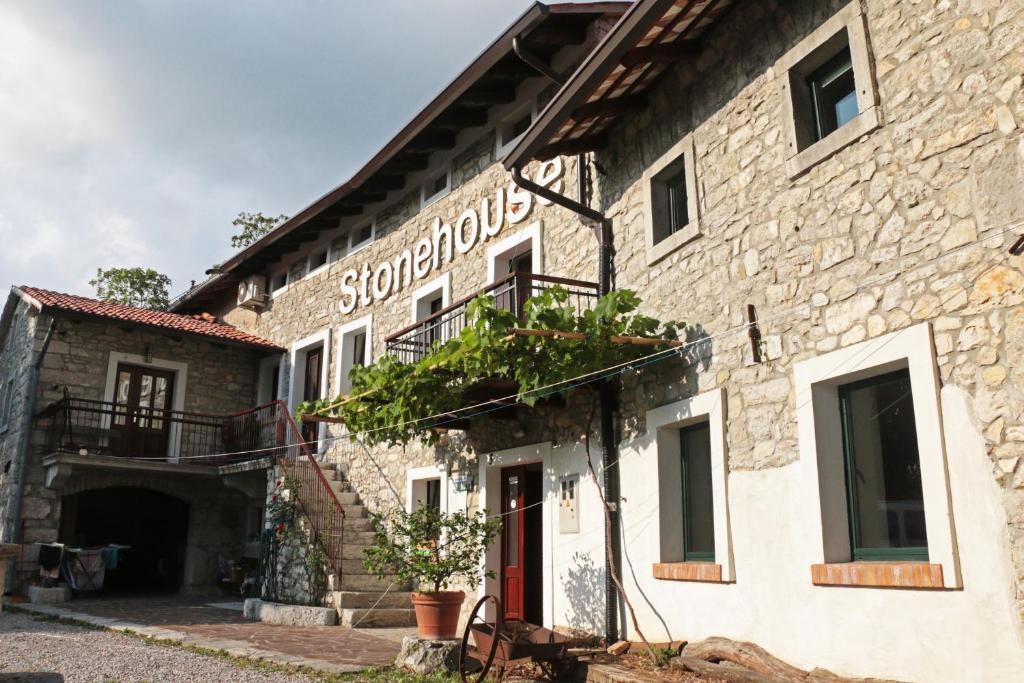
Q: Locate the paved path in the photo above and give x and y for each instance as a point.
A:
(330, 648)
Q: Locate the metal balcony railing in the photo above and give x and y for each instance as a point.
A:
(510, 293)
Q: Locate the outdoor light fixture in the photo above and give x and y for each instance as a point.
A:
(463, 482)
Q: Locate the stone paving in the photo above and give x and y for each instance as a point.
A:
(331, 648)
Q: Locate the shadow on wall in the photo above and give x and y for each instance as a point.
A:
(583, 585)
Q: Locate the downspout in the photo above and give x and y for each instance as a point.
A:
(607, 393)
(26, 442)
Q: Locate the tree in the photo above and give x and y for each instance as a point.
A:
(253, 226)
(142, 287)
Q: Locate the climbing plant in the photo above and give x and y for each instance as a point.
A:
(393, 402)
(294, 562)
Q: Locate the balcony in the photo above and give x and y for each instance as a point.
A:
(415, 342)
(105, 430)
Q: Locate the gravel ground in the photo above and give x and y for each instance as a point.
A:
(28, 646)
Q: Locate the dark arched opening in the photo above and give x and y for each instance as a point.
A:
(153, 524)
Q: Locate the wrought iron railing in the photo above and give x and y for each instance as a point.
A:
(317, 498)
(510, 293)
(90, 427)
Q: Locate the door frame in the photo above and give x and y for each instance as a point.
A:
(180, 371)
(489, 498)
(297, 371)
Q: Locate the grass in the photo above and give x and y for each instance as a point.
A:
(387, 674)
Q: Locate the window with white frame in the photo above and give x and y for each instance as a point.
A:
(278, 283)
(318, 260)
(361, 237)
(871, 440)
(354, 349)
(671, 216)
(512, 128)
(828, 90)
(427, 302)
(522, 252)
(689, 436)
(309, 361)
(436, 186)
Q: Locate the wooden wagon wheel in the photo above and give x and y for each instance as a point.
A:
(495, 636)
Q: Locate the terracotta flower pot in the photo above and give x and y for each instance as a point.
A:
(437, 614)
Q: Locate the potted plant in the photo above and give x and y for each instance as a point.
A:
(432, 548)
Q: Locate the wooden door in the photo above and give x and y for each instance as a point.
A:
(142, 400)
(311, 390)
(513, 500)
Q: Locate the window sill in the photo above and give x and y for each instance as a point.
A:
(896, 574)
(656, 252)
(862, 124)
(707, 572)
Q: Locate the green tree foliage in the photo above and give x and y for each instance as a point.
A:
(141, 287)
(252, 226)
(393, 402)
(431, 547)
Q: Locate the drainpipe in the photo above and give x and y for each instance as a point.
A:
(26, 442)
(607, 394)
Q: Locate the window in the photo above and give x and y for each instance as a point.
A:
(354, 349)
(426, 487)
(6, 402)
(872, 453)
(435, 187)
(883, 469)
(278, 283)
(671, 211)
(361, 237)
(513, 126)
(522, 252)
(688, 438)
(318, 260)
(309, 363)
(698, 508)
(828, 90)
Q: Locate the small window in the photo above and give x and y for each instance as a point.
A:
(354, 350)
(698, 506)
(318, 259)
(512, 128)
(828, 90)
(361, 237)
(278, 282)
(671, 208)
(436, 187)
(833, 94)
(883, 469)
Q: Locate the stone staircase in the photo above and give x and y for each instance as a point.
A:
(360, 590)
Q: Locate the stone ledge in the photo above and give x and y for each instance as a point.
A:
(688, 571)
(289, 615)
(878, 574)
(37, 595)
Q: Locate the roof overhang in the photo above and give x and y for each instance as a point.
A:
(650, 37)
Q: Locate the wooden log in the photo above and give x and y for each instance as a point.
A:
(615, 339)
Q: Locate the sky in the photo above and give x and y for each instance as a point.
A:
(133, 133)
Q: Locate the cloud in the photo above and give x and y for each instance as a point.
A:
(139, 130)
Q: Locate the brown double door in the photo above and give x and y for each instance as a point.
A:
(311, 391)
(521, 544)
(142, 399)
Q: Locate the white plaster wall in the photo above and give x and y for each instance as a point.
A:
(915, 635)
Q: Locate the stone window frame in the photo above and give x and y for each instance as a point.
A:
(180, 370)
(417, 475)
(532, 234)
(295, 384)
(804, 58)
(442, 283)
(684, 150)
(425, 199)
(822, 465)
(345, 333)
(664, 423)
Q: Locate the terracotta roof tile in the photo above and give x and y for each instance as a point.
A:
(199, 325)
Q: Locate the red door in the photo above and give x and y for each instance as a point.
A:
(513, 500)
(142, 399)
(311, 391)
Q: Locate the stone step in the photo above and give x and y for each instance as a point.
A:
(355, 511)
(347, 498)
(353, 551)
(361, 539)
(357, 524)
(370, 582)
(366, 599)
(353, 565)
(378, 618)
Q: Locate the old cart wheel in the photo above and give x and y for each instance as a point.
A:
(476, 617)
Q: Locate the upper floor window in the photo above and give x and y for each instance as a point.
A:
(436, 186)
(828, 90)
(354, 350)
(671, 211)
(513, 127)
(360, 237)
(278, 282)
(318, 260)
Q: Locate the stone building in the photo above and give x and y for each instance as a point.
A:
(108, 414)
(828, 194)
